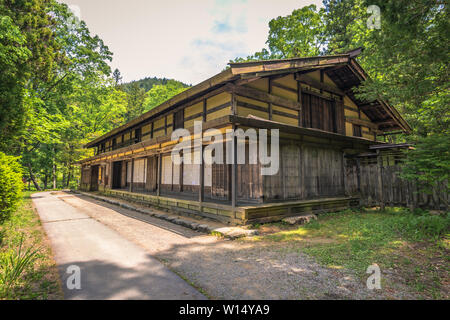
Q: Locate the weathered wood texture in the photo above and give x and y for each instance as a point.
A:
(306, 172)
(364, 180)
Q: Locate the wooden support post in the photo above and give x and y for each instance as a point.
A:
(165, 125)
(380, 179)
(299, 93)
(158, 186)
(322, 73)
(151, 132)
(204, 110)
(181, 171)
(344, 174)
(234, 175)
(111, 173)
(270, 103)
(358, 175)
(132, 174)
(201, 192)
(233, 104)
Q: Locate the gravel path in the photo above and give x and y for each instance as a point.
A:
(225, 269)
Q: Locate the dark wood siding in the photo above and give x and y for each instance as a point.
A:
(324, 114)
(305, 173)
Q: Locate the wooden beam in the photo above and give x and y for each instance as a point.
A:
(317, 94)
(282, 86)
(362, 122)
(303, 78)
(264, 97)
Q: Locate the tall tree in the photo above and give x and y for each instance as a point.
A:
(117, 76)
(135, 98)
(299, 34)
(161, 93)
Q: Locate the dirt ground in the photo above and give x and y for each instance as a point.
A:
(238, 269)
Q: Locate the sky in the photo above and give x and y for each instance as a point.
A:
(186, 40)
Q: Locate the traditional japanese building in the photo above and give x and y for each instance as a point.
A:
(323, 127)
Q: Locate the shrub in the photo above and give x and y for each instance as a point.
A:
(421, 225)
(11, 185)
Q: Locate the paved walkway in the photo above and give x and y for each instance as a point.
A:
(111, 266)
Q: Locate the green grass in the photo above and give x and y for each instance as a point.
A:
(27, 269)
(414, 245)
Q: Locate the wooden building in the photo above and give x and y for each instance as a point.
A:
(310, 100)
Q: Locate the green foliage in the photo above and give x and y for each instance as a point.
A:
(296, 35)
(394, 238)
(345, 25)
(13, 265)
(408, 62)
(26, 275)
(429, 164)
(299, 34)
(65, 95)
(117, 76)
(13, 54)
(148, 83)
(161, 93)
(10, 185)
(135, 101)
(421, 227)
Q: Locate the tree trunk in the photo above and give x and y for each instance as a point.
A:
(45, 181)
(68, 179)
(54, 176)
(36, 185)
(63, 179)
(54, 168)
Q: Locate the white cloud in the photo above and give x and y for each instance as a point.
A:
(185, 40)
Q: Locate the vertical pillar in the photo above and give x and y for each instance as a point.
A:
(344, 174)
(270, 104)
(132, 174)
(380, 179)
(158, 186)
(233, 104)
(204, 110)
(299, 99)
(234, 174)
(201, 192)
(181, 172)
(111, 173)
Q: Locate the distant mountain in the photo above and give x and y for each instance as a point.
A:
(148, 83)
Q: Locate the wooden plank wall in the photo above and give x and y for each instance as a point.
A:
(394, 191)
(306, 172)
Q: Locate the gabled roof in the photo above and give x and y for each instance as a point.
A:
(341, 68)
